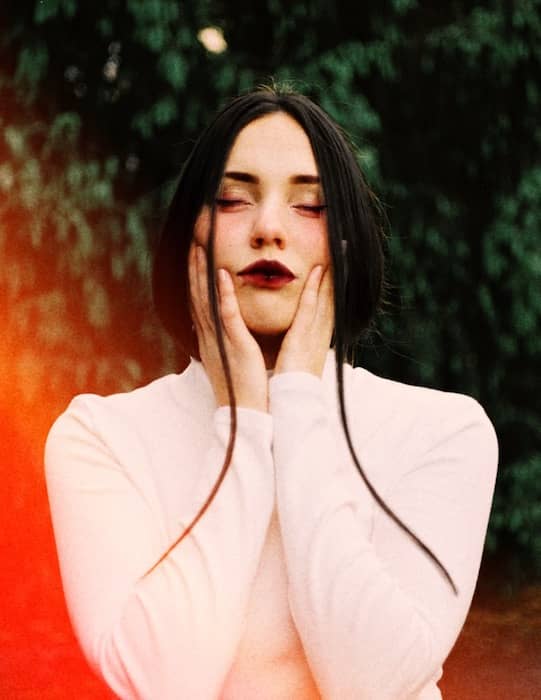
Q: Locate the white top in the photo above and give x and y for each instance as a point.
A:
(294, 584)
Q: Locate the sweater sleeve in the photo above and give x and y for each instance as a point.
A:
(376, 616)
(172, 633)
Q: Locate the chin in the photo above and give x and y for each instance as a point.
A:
(266, 327)
(263, 335)
(274, 320)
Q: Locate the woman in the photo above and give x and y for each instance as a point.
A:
(271, 523)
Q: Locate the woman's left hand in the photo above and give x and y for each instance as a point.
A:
(306, 343)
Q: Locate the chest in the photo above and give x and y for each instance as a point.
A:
(270, 663)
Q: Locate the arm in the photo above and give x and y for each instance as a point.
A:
(173, 633)
(376, 616)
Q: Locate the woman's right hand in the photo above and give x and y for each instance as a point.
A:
(246, 362)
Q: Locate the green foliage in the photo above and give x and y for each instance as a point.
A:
(101, 103)
(173, 67)
(517, 509)
(32, 67)
(48, 9)
(71, 245)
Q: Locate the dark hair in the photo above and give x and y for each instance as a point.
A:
(350, 218)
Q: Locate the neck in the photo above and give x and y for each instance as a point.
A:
(270, 347)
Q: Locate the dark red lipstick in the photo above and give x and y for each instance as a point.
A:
(269, 274)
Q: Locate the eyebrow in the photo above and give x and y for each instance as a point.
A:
(253, 179)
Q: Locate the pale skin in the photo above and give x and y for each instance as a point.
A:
(267, 211)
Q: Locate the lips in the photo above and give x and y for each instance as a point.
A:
(268, 268)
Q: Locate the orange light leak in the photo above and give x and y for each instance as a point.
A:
(39, 654)
(40, 657)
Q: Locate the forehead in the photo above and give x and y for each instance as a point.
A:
(272, 145)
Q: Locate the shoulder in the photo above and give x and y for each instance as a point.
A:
(419, 434)
(394, 396)
(97, 412)
(162, 411)
(104, 430)
(187, 392)
(423, 413)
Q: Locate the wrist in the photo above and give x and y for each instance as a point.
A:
(307, 368)
(254, 403)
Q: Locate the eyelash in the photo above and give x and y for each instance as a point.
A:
(229, 202)
(315, 209)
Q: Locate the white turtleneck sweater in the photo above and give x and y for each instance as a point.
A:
(294, 584)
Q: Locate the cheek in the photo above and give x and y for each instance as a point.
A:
(316, 244)
(324, 243)
(231, 237)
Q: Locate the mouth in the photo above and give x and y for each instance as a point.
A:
(270, 269)
(267, 274)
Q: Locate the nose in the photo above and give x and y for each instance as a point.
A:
(269, 228)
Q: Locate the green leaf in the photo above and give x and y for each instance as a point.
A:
(64, 129)
(173, 67)
(45, 10)
(165, 111)
(32, 65)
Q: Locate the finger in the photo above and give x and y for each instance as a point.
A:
(314, 280)
(202, 289)
(311, 288)
(199, 292)
(326, 291)
(308, 299)
(194, 286)
(232, 320)
(325, 311)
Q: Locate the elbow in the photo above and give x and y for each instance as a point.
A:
(139, 664)
(109, 659)
(130, 674)
(122, 659)
(418, 667)
(402, 674)
(391, 668)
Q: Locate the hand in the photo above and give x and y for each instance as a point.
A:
(246, 362)
(306, 344)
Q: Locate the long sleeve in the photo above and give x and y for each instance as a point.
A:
(173, 633)
(376, 616)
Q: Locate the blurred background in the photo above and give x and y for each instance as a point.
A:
(99, 105)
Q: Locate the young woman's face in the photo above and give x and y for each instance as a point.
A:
(270, 208)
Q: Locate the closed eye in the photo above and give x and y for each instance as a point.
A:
(311, 209)
(230, 203)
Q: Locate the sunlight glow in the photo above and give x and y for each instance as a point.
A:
(212, 39)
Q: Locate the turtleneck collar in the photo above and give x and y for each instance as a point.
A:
(197, 371)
